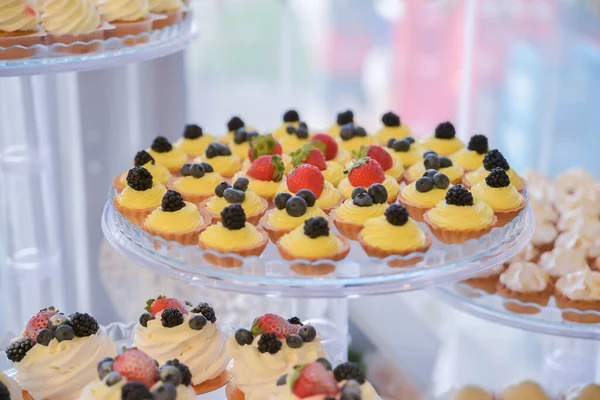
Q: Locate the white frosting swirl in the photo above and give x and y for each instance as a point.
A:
(560, 262)
(284, 392)
(543, 211)
(13, 387)
(544, 233)
(577, 220)
(581, 285)
(14, 16)
(576, 241)
(99, 390)
(123, 10)
(202, 351)
(161, 6)
(70, 17)
(525, 277)
(529, 253)
(60, 370)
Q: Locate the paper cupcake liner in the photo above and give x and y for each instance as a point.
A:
(229, 261)
(29, 40)
(253, 219)
(416, 212)
(213, 384)
(132, 28)
(313, 266)
(373, 251)
(197, 199)
(540, 298)
(117, 183)
(348, 229)
(456, 237)
(563, 302)
(233, 393)
(80, 48)
(187, 238)
(136, 217)
(274, 233)
(506, 216)
(172, 18)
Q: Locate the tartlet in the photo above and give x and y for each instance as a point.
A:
(220, 157)
(524, 390)
(364, 173)
(471, 157)
(194, 141)
(143, 159)
(306, 176)
(290, 118)
(352, 137)
(560, 262)
(171, 10)
(585, 242)
(309, 153)
(431, 161)
(406, 151)
(140, 197)
(19, 26)
(444, 141)
(329, 147)
(459, 217)
(493, 159)
(241, 142)
(527, 283)
(392, 128)
(132, 20)
(264, 176)
(233, 125)
(391, 166)
(75, 37)
(296, 137)
(166, 155)
(499, 194)
(580, 291)
(420, 196)
(544, 236)
(254, 206)
(343, 118)
(197, 182)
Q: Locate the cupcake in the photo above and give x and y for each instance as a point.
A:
(171, 329)
(544, 236)
(587, 391)
(170, 10)
(439, 163)
(306, 176)
(290, 212)
(143, 159)
(233, 125)
(241, 142)
(56, 355)
(525, 390)
(232, 235)
(580, 291)
(221, 158)
(392, 167)
(272, 347)
(295, 137)
(420, 196)
(351, 216)
(392, 128)
(264, 176)
(406, 151)
(319, 380)
(194, 141)
(394, 233)
(330, 148)
(176, 220)
(290, 118)
(560, 262)
(493, 159)
(83, 26)
(352, 137)
(364, 173)
(18, 27)
(140, 197)
(9, 388)
(254, 206)
(165, 154)
(470, 392)
(499, 194)
(487, 280)
(459, 217)
(129, 18)
(444, 141)
(197, 182)
(471, 158)
(527, 283)
(310, 154)
(134, 374)
(343, 118)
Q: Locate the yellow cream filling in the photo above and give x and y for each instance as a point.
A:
(218, 237)
(329, 195)
(461, 218)
(396, 170)
(349, 212)
(300, 245)
(427, 199)
(346, 188)
(396, 132)
(195, 147)
(357, 141)
(172, 160)
(407, 158)
(159, 173)
(503, 198)
(261, 188)
(291, 143)
(334, 173)
(240, 150)
(383, 235)
(252, 204)
(186, 219)
(334, 130)
(204, 185)
(454, 172)
(228, 138)
(224, 165)
(443, 147)
(481, 173)
(469, 160)
(281, 130)
(142, 199)
(280, 219)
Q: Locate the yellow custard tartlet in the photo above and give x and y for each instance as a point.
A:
(444, 141)
(498, 193)
(254, 206)
(309, 153)
(493, 159)
(140, 197)
(307, 176)
(233, 125)
(524, 390)
(406, 151)
(143, 159)
(295, 137)
(424, 193)
(392, 128)
(364, 173)
(166, 155)
(220, 157)
(194, 141)
(391, 166)
(471, 157)
(352, 137)
(328, 198)
(439, 163)
(290, 118)
(264, 175)
(197, 182)
(240, 146)
(343, 118)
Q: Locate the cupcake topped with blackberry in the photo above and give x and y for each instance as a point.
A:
(493, 159)
(405, 150)
(342, 118)
(143, 159)
(393, 128)
(225, 195)
(290, 118)
(444, 141)
(220, 157)
(233, 125)
(471, 157)
(424, 193)
(432, 160)
(353, 136)
(241, 142)
(197, 182)
(499, 194)
(194, 140)
(166, 155)
(140, 197)
(295, 137)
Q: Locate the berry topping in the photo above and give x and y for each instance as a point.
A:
(166, 391)
(296, 206)
(325, 363)
(441, 181)
(172, 201)
(197, 322)
(294, 341)
(135, 365)
(430, 173)
(234, 124)
(445, 162)
(306, 176)
(308, 333)
(497, 178)
(281, 199)
(185, 169)
(113, 378)
(291, 116)
(459, 195)
(17, 350)
(206, 310)
(495, 159)
(402, 145)
(241, 184)
(363, 199)
(357, 191)
(445, 130)
(142, 158)
(263, 145)
(44, 337)
(282, 380)
(478, 143)
(267, 168)
(135, 391)
(272, 323)
(308, 196)
(377, 153)
(207, 167)
(234, 196)
(359, 131)
(105, 367)
(154, 306)
(220, 188)
(197, 170)
(171, 317)
(64, 332)
(348, 371)
(315, 227)
(38, 322)
(301, 131)
(233, 217)
(192, 131)
(378, 193)
(56, 321)
(243, 337)
(428, 152)
(144, 318)
(431, 161)
(216, 149)
(396, 214)
(186, 375)
(295, 321)
(161, 145)
(4, 392)
(139, 178)
(326, 144)
(347, 132)
(424, 184)
(390, 119)
(365, 172)
(345, 117)
(313, 380)
(170, 374)
(83, 324)
(409, 139)
(241, 135)
(268, 343)
(309, 154)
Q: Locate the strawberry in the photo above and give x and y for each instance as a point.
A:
(365, 172)
(377, 153)
(271, 323)
(154, 306)
(267, 168)
(306, 176)
(330, 147)
(135, 365)
(263, 145)
(309, 154)
(313, 380)
(38, 322)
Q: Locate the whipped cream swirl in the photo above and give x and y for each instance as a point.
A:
(13, 387)
(70, 17)
(16, 16)
(99, 390)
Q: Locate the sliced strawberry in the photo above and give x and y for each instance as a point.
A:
(38, 322)
(313, 380)
(309, 154)
(365, 172)
(272, 323)
(267, 168)
(135, 365)
(378, 154)
(263, 145)
(154, 306)
(330, 147)
(306, 176)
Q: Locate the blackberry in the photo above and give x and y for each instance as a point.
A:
(268, 343)
(139, 178)
(291, 116)
(135, 391)
(186, 375)
(233, 217)
(17, 350)
(459, 195)
(396, 214)
(390, 119)
(4, 392)
(497, 178)
(347, 371)
(345, 117)
(83, 324)
(206, 310)
(295, 321)
(171, 317)
(315, 227)
(234, 124)
(495, 159)
(161, 145)
(172, 201)
(192, 132)
(478, 143)
(142, 157)
(445, 130)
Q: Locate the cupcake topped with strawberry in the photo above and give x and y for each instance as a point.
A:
(353, 136)
(493, 159)
(194, 140)
(310, 153)
(295, 137)
(55, 356)
(166, 155)
(471, 158)
(393, 128)
(432, 160)
(143, 159)
(269, 349)
(307, 176)
(264, 174)
(405, 150)
(220, 157)
(290, 118)
(364, 173)
(330, 148)
(444, 141)
(391, 166)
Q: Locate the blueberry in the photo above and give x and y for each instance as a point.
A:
(112, 378)
(188, 303)
(170, 374)
(324, 362)
(212, 150)
(241, 184)
(244, 336)
(358, 190)
(280, 200)
(301, 132)
(44, 337)
(185, 169)
(363, 200)
(360, 131)
(165, 392)
(303, 124)
(56, 321)
(290, 130)
(430, 173)
(282, 380)
(401, 145)
(234, 196)
(197, 170)
(240, 136)
(220, 188)
(431, 161)
(144, 318)
(296, 206)
(428, 152)
(308, 333)
(64, 332)
(350, 394)
(441, 181)
(197, 322)
(347, 131)
(223, 150)
(251, 135)
(308, 196)
(294, 341)
(105, 367)
(207, 167)
(445, 162)
(390, 142)
(378, 193)
(409, 139)
(424, 184)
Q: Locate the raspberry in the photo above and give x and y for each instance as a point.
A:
(315, 227)
(233, 217)
(206, 310)
(390, 119)
(139, 178)
(172, 201)
(171, 317)
(142, 158)
(347, 371)
(459, 195)
(478, 143)
(17, 350)
(497, 178)
(494, 159)
(445, 130)
(161, 145)
(83, 324)
(396, 215)
(268, 343)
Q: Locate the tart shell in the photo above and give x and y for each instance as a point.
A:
(226, 261)
(136, 217)
(506, 216)
(373, 251)
(449, 236)
(539, 298)
(415, 211)
(346, 228)
(564, 302)
(187, 238)
(312, 266)
(213, 384)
